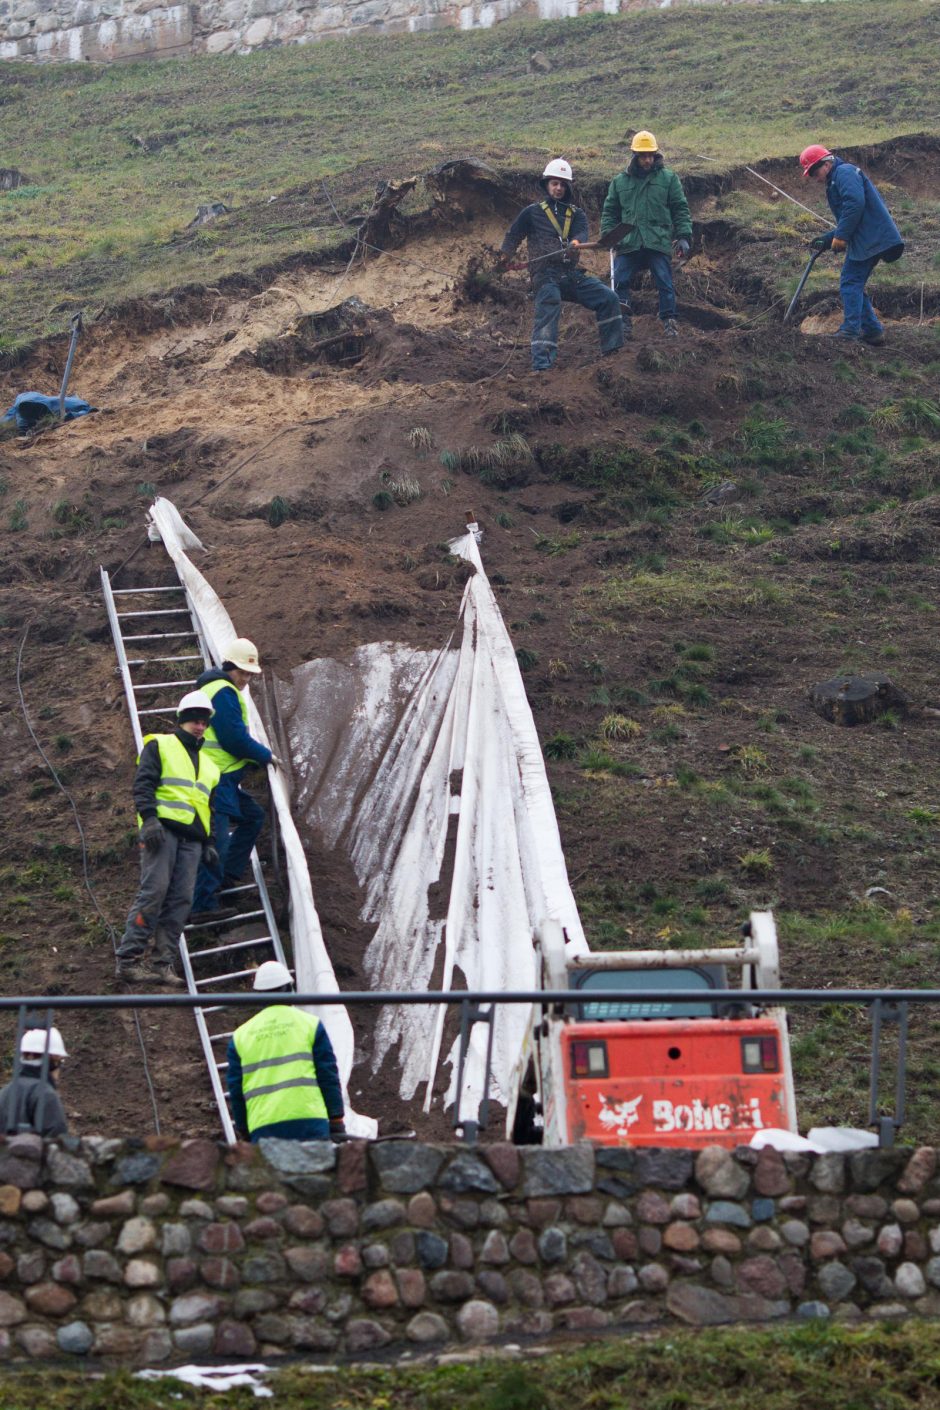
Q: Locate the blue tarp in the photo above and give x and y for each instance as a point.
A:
(31, 407)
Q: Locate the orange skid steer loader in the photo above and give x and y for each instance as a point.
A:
(639, 1073)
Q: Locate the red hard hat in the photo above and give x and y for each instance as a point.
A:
(811, 155)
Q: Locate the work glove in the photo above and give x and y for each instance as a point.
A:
(680, 249)
(838, 245)
(822, 242)
(337, 1128)
(151, 834)
(210, 856)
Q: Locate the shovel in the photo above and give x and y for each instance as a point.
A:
(799, 288)
(608, 240)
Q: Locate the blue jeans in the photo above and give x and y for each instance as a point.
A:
(858, 317)
(575, 288)
(236, 821)
(659, 265)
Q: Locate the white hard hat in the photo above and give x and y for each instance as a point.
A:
(35, 1041)
(195, 700)
(244, 654)
(272, 975)
(559, 168)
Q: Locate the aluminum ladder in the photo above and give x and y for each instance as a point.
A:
(153, 641)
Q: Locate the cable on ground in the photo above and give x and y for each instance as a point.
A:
(87, 876)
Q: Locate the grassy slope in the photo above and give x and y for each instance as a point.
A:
(801, 1368)
(98, 220)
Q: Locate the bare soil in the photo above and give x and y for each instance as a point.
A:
(626, 590)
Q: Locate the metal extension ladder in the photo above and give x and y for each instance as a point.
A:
(152, 642)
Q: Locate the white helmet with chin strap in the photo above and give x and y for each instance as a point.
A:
(558, 168)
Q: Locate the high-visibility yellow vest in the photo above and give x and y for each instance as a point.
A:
(279, 1076)
(225, 762)
(183, 793)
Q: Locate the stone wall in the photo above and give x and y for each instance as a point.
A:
(103, 30)
(152, 1251)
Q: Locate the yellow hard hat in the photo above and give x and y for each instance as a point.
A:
(644, 142)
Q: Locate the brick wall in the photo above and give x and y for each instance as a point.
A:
(153, 1251)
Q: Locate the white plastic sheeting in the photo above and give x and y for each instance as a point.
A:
(312, 963)
(426, 768)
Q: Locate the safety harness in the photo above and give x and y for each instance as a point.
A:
(562, 232)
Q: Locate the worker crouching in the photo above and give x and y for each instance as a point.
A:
(173, 790)
(553, 229)
(282, 1075)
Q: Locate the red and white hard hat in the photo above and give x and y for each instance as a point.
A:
(812, 156)
(560, 169)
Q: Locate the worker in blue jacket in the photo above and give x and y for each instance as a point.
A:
(864, 230)
(236, 818)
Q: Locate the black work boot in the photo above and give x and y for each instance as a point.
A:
(137, 971)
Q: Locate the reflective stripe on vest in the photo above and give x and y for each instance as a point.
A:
(225, 762)
(569, 216)
(279, 1076)
(182, 794)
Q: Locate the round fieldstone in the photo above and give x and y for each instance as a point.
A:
(299, 1220)
(431, 1250)
(461, 1251)
(890, 1241)
(525, 1287)
(836, 1281)
(478, 1320)
(909, 1280)
(422, 1211)
(795, 1233)
(856, 1234)
(342, 1217)
(589, 1278)
(49, 1299)
(764, 1239)
(719, 1174)
(137, 1235)
(553, 1245)
(175, 1239)
(221, 1238)
(196, 1340)
(412, 1288)
(726, 1212)
(919, 1170)
(685, 1206)
(141, 1273)
(401, 1247)
(559, 1289)
(362, 1334)
(451, 1286)
(75, 1338)
(828, 1173)
(98, 1263)
(467, 1173)
(905, 1211)
(145, 1310)
(262, 1229)
(308, 1262)
(12, 1310)
(271, 1201)
(155, 1205)
(653, 1277)
(651, 1208)
(493, 1285)
(67, 1270)
(382, 1215)
(683, 1238)
(192, 1308)
(379, 1290)
(761, 1275)
(65, 1208)
(622, 1281)
(376, 1256)
(347, 1262)
(264, 1268)
(721, 1241)
(195, 1209)
(220, 1273)
(523, 1248)
(234, 1339)
(427, 1327)
(810, 1310)
(721, 1271)
(405, 1167)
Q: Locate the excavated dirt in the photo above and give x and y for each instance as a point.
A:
(294, 426)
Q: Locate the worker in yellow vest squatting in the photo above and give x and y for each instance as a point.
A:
(173, 790)
(236, 818)
(282, 1073)
(553, 229)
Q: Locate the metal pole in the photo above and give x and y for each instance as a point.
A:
(76, 329)
(799, 288)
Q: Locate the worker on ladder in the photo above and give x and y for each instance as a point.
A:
(173, 790)
(30, 1102)
(237, 819)
(282, 1075)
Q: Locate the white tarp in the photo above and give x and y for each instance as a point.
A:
(312, 963)
(426, 768)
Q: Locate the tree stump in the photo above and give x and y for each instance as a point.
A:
(857, 700)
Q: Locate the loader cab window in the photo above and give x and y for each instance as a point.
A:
(597, 1009)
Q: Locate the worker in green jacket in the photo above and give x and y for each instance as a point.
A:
(648, 196)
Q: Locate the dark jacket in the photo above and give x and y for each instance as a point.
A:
(30, 1103)
(147, 779)
(534, 226)
(863, 220)
(653, 202)
(324, 1060)
(227, 722)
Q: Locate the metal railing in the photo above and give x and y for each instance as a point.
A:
(888, 1007)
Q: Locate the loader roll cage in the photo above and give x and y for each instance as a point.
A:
(889, 1007)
